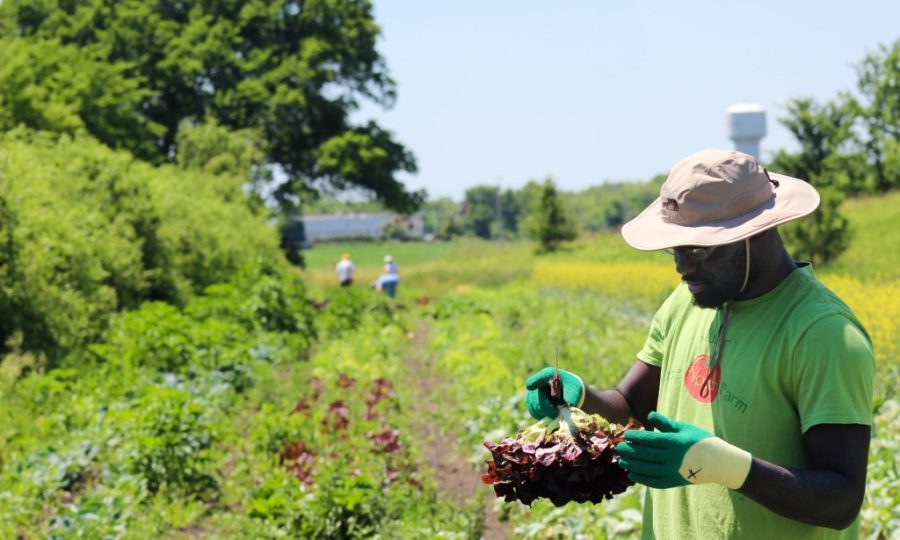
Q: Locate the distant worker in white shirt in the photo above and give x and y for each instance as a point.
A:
(344, 269)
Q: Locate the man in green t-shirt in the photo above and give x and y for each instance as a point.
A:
(755, 382)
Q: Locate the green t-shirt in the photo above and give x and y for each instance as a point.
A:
(793, 358)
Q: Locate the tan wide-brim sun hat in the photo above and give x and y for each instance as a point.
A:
(716, 197)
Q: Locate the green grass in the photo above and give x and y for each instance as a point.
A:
(371, 254)
(426, 268)
(874, 251)
(434, 268)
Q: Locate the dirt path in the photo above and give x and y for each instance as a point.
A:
(452, 471)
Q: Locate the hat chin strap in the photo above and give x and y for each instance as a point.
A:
(746, 266)
(716, 355)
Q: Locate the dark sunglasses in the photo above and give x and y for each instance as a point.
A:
(695, 252)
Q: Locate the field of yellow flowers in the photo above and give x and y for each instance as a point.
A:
(876, 303)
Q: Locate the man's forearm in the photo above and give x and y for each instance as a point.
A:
(819, 497)
(609, 404)
(829, 490)
(634, 396)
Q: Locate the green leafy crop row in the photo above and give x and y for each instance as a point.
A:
(143, 419)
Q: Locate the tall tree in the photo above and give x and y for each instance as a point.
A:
(442, 218)
(831, 152)
(879, 84)
(49, 86)
(480, 211)
(292, 70)
(824, 235)
(830, 160)
(510, 212)
(547, 222)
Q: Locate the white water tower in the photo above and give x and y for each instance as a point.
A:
(746, 126)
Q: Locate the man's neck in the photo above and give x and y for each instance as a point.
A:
(772, 273)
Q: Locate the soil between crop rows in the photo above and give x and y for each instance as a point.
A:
(453, 473)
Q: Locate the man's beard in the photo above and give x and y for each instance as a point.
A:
(713, 296)
(722, 288)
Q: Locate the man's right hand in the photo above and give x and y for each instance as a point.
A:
(538, 396)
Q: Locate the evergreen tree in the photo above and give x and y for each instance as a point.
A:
(827, 161)
(547, 223)
(480, 211)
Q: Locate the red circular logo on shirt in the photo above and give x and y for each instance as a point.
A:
(701, 381)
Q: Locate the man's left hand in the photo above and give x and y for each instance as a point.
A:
(680, 454)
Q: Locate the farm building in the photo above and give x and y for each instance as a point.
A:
(360, 226)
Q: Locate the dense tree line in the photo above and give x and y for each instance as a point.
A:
(141, 144)
(492, 213)
(287, 75)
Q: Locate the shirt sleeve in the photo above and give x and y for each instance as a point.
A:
(834, 367)
(653, 351)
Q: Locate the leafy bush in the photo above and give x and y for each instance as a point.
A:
(160, 337)
(86, 231)
(260, 314)
(168, 440)
(345, 505)
(157, 336)
(259, 296)
(351, 308)
(823, 236)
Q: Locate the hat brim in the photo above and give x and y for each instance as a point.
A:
(794, 198)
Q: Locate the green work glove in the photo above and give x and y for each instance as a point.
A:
(680, 454)
(538, 396)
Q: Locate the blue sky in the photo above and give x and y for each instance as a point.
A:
(501, 92)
